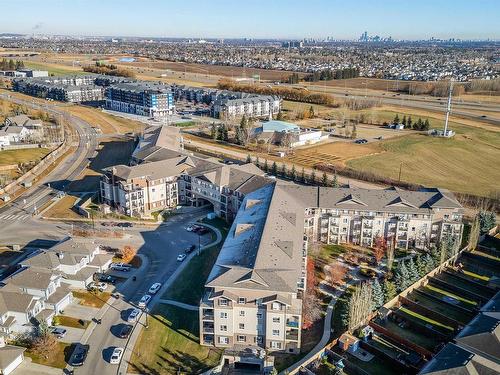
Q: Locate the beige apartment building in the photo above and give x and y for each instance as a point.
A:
(254, 292)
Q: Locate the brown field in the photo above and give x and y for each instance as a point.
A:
(63, 209)
(108, 124)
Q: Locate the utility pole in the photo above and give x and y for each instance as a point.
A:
(448, 109)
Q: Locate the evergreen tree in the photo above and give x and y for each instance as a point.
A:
(313, 177)
(335, 182)
(389, 290)
(396, 119)
(225, 133)
(409, 123)
(421, 266)
(443, 250)
(257, 161)
(274, 169)
(266, 166)
(249, 159)
(214, 131)
(324, 179)
(401, 277)
(302, 176)
(429, 263)
(404, 120)
(435, 255)
(377, 294)
(487, 220)
(293, 173)
(283, 170)
(412, 272)
(426, 125)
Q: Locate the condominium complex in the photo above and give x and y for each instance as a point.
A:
(254, 292)
(160, 177)
(140, 98)
(251, 105)
(74, 89)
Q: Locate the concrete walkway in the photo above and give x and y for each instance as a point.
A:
(179, 304)
(122, 369)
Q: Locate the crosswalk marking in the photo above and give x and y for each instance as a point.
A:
(15, 217)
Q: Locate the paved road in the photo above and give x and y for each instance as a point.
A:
(160, 246)
(59, 179)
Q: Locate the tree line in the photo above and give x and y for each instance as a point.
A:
(409, 124)
(11, 64)
(109, 70)
(287, 93)
(329, 74)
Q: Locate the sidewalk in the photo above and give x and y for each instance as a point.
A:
(122, 369)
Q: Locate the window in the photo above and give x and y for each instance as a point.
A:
(345, 220)
(224, 340)
(276, 332)
(275, 344)
(223, 328)
(223, 315)
(259, 315)
(241, 326)
(259, 340)
(242, 313)
(242, 300)
(276, 320)
(276, 306)
(242, 338)
(223, 302)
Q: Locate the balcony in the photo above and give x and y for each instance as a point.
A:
(292, 323)
(208, 328)
(292, 335)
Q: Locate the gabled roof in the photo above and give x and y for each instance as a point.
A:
(482, 336)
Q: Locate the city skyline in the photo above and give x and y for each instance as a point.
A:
(319, 19)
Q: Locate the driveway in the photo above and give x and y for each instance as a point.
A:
(29, 368)
(72, 334)
(80, 312)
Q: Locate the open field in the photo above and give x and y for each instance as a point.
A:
(108, 124)
(9, 157)
(170, 344)
(54, 69)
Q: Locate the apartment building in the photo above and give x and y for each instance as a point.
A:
(254, 292)
(140, 98)
(251, 105)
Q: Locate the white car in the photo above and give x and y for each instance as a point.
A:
(144, 300)
(190, 228)
(154, 288)
(116, 356)
(133, 315)
(102, 286)
(181, 257)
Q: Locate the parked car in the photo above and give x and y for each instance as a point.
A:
(201, 231)
(79, 355)
(124, 225)
(190, 249)
(361, 141)
(133, 315)
(116, 356)
(144, 300)
(154, 288)
(102, 286)
(181, 257)
(92, 285)
(107, 278)
(125, 331)
(121, 267)
(58, 332)
(190, 227)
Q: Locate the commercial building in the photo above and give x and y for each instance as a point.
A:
(254, 292)
(288, 134)
(140, 98)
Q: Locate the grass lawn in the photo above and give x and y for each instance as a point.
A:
(441, 307)
(97, 299)
(8, 157)
(63, 209)
(329, 252)
(452, 163)
(190, 284)
(68, 321)
(411, 335)
(171, 343)
(425, 319)
(57, 70)
(57, 359)
(446, 293)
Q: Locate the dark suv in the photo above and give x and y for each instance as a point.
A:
(125, 331)
(79, 355)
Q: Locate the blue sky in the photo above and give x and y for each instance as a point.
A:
(255, 18)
